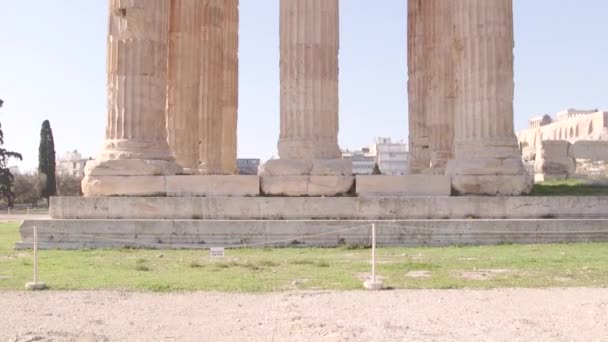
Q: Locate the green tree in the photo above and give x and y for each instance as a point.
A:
(6, 177)
(376, 170)
(46, 160)
(69, 185)
(27, 189)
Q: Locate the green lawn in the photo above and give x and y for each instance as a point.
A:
(570, 187)
(262, 270)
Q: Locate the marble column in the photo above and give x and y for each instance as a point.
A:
(309, 44)
(440, 96)
(136, 136)
(195, 85)
(211, 90)
(230, 87)
(487, 159)
(419, 157)
(183, 82)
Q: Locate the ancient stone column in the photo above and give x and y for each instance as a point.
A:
(135, 148)
(439, 98)
(183, 82)
(309, 79)
(231, 87)
(309, 39)
(211, 83)
(196, 84)
(419, 158)
(487, 158)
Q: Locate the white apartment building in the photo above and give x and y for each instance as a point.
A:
(71, 163)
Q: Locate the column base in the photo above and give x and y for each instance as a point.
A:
(127, 177)
(171, 186)
(492, 185)
(131, 167)
(495, 171)
(94, 186)
(315, 167)
(303, 186)
(318, 177)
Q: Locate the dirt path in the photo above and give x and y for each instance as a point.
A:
(513, 314)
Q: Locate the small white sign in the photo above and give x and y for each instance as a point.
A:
(217, 252)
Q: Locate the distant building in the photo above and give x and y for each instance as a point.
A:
(539, 121)
(71, 164)
(391, 157)
(570, 125)
(248, 166)
(572, 113)
(363, 160)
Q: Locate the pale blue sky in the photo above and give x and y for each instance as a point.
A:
(52, 66)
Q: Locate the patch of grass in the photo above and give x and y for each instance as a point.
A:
(142, 268)
(355, 246)
(569, 187)
(195, 264)
(263, 270)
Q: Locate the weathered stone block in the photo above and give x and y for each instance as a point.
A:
(306, 185)
(318, 208)
(496, 185)
(131, 167)
(593, 150)
(196, 234)
(552, 158)
(205, 186)
(410, 185)
(123, 186)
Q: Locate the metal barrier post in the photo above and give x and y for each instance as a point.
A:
(373, 284)
(35, 285)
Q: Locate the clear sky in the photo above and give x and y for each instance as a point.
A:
(52, 66)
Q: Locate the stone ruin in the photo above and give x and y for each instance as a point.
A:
(172, 100)
(165, 177)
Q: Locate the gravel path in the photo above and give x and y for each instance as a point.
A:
(499, 315)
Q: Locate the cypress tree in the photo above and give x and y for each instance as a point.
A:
(46, 160)
(6, 177)
(376, 170)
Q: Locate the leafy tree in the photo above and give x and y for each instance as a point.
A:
(27, 189)
(6, 177)
(376, 170)
(46, 160)
(68, 185)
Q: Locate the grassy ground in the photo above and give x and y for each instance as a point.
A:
(261, 270)
(570, 187)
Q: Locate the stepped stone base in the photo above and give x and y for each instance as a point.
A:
(410, 185)
(169, 234)
(319, 208)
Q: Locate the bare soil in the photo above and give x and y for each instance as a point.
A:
(579, 314)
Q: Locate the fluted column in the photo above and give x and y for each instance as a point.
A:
(183, 81)
(211, 92)
(309, 79)
(230, 87)
(419, 157)
(136, 138)
(310, 162)
(487, 158)
(195, 86)
(440, 82)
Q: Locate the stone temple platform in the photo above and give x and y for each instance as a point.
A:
(203, 222)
